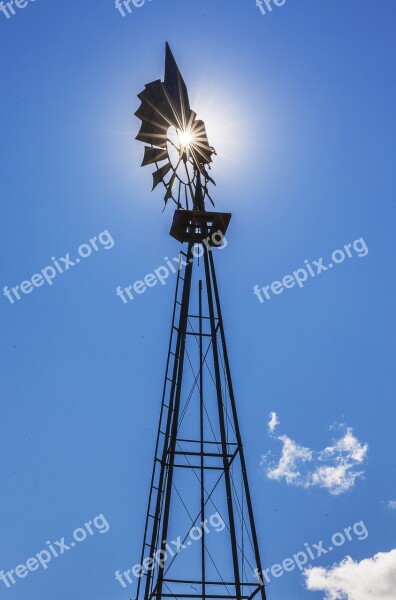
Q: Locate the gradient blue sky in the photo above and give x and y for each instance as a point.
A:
(300, 106)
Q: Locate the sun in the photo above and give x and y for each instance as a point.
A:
(186, 138)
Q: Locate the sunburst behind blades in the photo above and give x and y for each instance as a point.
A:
(176, 141)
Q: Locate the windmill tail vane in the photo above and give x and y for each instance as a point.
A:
(176, 141)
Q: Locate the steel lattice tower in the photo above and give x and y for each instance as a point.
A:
(199, 482)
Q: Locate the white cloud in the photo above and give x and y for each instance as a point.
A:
(392, 504)
(273, 422)
(372, 578)
(334, 468)
(292, 457)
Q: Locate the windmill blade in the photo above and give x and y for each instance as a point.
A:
(200, 156)
(152, 134)
(190, 124)
(148, 115)
(169, 191)
(199, 131)
(201, 142)
(153, 92)
(205, 189)
(159, 175)
(208, 177)
(203, 153)
(154, 155)
(158, 103)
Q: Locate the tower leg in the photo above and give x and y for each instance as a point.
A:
(173, 419)
(209, 274)
(236, 421)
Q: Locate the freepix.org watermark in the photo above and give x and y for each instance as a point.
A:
(124, 6)
(8, 8)
(59, 265)
(174, 265)
(312, 552)
(56, 549)
(311, 269)
(172, 548)
(269, 4)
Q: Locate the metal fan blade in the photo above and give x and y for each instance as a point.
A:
(154, 155)
(159, 175)
(152, 134)
(169, 191)
(199, 131)
(190, 124)
(203, 153)
(208, 195)
(208, 177)
(153, 92)
(153, 129)
(148, 115)
(201, 143)
(157, 100)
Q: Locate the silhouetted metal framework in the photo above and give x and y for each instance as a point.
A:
(199, 480)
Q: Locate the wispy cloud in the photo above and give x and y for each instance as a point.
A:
(335, 468)
(273, 422)
(392, 504)
(371, 578)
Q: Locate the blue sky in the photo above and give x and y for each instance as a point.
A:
(299, 104)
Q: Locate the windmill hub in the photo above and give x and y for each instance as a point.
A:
(186, 138)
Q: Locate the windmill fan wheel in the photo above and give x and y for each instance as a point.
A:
(176, 141)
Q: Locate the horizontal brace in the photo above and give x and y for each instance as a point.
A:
(206, 442)
(200, 596)
(198, 334)
(197, 467)
(215, 454)
(225, 583)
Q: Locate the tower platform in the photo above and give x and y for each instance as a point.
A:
(195, 226)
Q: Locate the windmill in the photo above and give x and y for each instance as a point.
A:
(200, 539)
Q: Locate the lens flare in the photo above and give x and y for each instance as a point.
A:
(186, 138)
